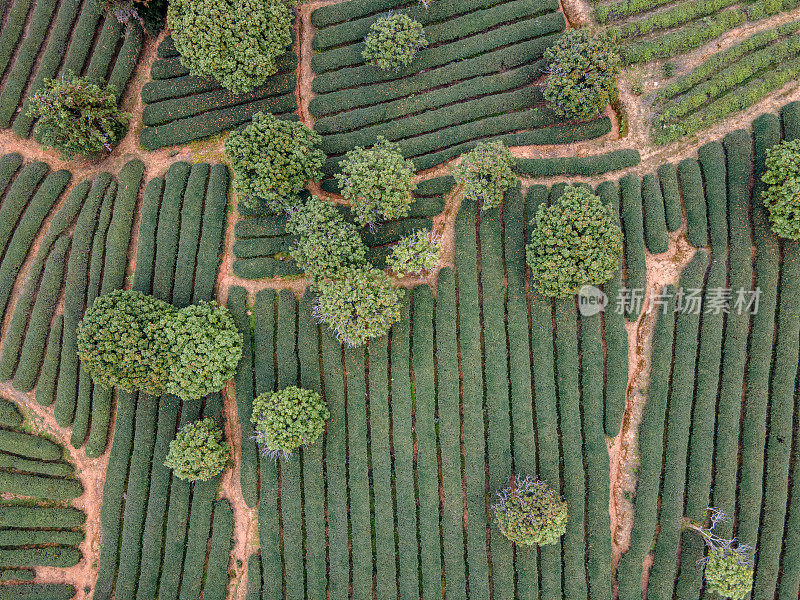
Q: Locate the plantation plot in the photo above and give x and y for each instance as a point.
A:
(752, 395)
(262, 246)
(157, 526)
(38, 528)
(474, 81)
(182, 107)
(42, 39)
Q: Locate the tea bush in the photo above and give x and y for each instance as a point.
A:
(288, 419)
(782, 197)
(485, 173)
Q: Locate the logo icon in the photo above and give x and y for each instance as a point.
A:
(591, 300)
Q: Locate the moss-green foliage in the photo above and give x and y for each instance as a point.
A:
(235, 41)
(727, 574)
(393, 41)
(415, 253)
(575, 242)
(272, 160)
(9, 414)
(782, 197)
(360, 305)
(530, 513)
(198, 451)
(377, 182)
(289, 419)
(485, 173)
(116, 340)
(582, 74)
(77, 116)
(327, 246)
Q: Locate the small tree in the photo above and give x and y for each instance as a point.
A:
(77, 117)
(199, 451)
(272, 159)
(152, 14)
(393, 41)
(235, 41)
(204, 346)
(485, 173)
(288, 419)
(117, 337)
(327, 245)
(377, 182)
(530, 513)
(575, 242)
(728, 564)
(362, 304)
(581, 74)
(415, 253)
(782, 197)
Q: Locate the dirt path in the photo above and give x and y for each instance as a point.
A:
(92, 474)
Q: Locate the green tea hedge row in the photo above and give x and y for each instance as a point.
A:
(635, 270)
(37, 591)
(266, 246)
(9, 164)
(49, 62)
(513, 56)
(711, 157)
(35, 337)
(655, 224)
(213, 230)
(105, 49)
(216, 578)
(12, 538)
(719, 61)
(326, 16)
(264, 267)
(168, 68)
(188, 106)
(29, 446)
(82, 38)
(672, 17)
(258, 227)
(205, 124)
(504, 35)
(670, 190)
(436, 33)
(619, 9)
(126, 58)
(9, 414)
(40, 517)
(17, 78)
(75, 299)
(691, 36)
(577, 165)
(764, 8)
(695, 202)
(12, 30)
(459, 92)
(17, 575)
(39, 557)
(37, 486)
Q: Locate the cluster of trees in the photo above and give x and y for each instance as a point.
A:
(133, 341)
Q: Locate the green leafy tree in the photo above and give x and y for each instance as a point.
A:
(574, 242)
(152, 14)
(235, 41)
(417, 252)
(287, 420)
(782, 196)
(199, 451)
(327, 245)
(362, 304)
(485, 173)
(204, 346)
(272, 159)
(530, 513)
(377, 182)
(77, 117)
(581, 74)
(117, 340)
(393, 41)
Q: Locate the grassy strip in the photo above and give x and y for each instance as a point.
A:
(266, 246)
(125, 62)
(263, 267)
(81, 42)
(52, 469)
(694, 201)
(635, 270)
(9, 164)
(673, 212)
(167, 234)
(189, 234)
(35, 517)
(449, 435)
(675, 16)
(213, 230)
(36, 486)
(12, 30)
(619, 9)
(29, 446)
(104, 50)
(9, 414)
(146, 242)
